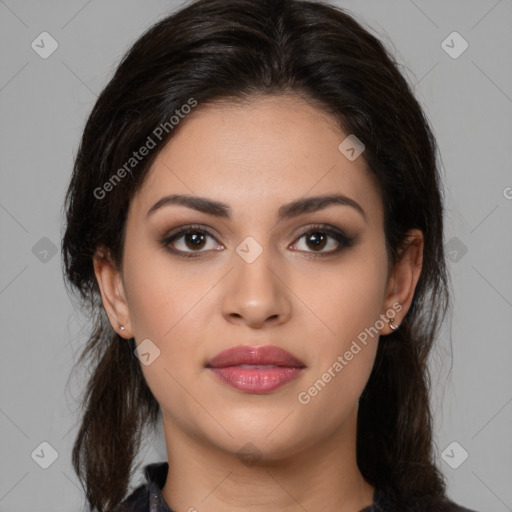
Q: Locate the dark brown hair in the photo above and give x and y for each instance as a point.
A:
(232, 50)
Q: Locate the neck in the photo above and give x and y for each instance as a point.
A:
(324, 476)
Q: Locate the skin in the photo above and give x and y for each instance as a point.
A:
(255, 157)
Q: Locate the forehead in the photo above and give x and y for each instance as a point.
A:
(259, 153)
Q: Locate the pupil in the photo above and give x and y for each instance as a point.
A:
(318, 239)
(196, 239)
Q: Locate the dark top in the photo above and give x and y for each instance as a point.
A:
(148, 497)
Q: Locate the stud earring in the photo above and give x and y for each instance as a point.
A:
(122, 327)
(393, 327)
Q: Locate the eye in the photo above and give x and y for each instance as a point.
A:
(323, 237)
(191, 239)
(319, 240)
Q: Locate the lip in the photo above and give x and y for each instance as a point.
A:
(233, 367)
(262, 355)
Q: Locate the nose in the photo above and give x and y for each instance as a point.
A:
(256, 293)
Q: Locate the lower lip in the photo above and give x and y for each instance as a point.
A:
(257, 380)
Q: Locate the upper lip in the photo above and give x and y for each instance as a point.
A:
(262, 355)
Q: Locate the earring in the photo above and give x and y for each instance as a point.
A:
(122, 327)
(393, 327)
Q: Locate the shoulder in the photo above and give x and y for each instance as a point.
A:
(451, 506)
(386, 501)
(137, 501)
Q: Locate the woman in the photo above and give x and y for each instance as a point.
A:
(255, 221)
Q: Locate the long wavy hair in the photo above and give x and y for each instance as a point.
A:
(232, 50)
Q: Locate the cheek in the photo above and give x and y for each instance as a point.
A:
(165, 307)
(346, 300)
(152, 310)
(158, 293)
(346, 344)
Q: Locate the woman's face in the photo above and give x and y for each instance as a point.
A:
(262, 273)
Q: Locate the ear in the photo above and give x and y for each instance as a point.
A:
(112, 292)
(403, 278)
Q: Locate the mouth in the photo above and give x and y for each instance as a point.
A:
(255, 370)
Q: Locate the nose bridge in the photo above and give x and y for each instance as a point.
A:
(256, 292)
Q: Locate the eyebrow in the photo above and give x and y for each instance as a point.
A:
(287, 211)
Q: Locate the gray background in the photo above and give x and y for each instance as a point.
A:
(44, 104)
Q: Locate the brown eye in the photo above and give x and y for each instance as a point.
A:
(190, 240)
(194, 240)
(318, 238)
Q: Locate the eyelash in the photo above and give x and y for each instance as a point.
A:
(340, 237)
